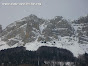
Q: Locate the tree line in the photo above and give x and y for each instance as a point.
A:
(19, 56)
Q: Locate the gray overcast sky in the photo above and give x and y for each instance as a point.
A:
(69, 9)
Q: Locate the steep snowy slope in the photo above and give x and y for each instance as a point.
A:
(3, 45)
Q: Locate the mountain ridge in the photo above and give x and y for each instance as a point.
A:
(33, 32)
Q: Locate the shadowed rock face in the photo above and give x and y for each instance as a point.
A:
(31, 28)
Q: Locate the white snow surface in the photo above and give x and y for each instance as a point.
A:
(72, 45)
(42, 27)
(3, 45)
(69, 43)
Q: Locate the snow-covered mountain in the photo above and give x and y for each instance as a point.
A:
(33, 32)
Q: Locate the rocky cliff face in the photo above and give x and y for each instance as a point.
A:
(82, 29)
(32, 28)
